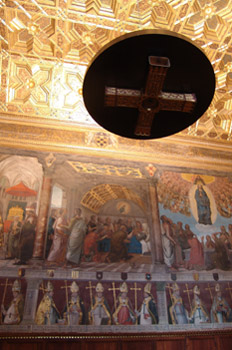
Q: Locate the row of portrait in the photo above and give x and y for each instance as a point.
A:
(97, 303)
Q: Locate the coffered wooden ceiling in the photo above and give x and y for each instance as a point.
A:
(46, 46)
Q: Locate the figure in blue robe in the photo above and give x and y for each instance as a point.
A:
(177, 312)
(203, 206)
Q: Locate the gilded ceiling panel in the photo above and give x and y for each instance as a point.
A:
(46, 46)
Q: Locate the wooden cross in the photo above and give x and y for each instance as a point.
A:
(188, 291)
(135, 289)
(210, 291)
(90, 287)
(114, 293)
(66, 295)
(229, 289)
(152, 100)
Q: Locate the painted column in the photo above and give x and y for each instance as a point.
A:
(40, 236)
(156, 228)
(31, 301)
(162, 307)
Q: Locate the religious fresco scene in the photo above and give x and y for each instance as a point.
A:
(111, 218)
(75, 303)
(99, 245)
(12, 296)
(195, 212)
(199, 303)
(101, 233)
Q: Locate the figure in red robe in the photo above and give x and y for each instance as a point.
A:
(90, 248)
(196, 259)
(124, 314)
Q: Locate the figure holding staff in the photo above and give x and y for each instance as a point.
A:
(14, 313)
(124, 314)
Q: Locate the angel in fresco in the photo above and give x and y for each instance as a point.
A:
(99, 313)
(47, 312)
(74, 311)
(199, 313)
(124, 314)
(177, 311)
(147, 313)
(14, 313)
(220, 310)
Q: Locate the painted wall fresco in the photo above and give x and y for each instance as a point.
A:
(122, 303)
(195, 212)
(140, 266)
(12, 295)
(96, 303)
(199, 303)
(110, 220)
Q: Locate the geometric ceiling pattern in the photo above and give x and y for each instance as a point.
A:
(46, 46)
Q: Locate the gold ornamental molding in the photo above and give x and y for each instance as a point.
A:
(177, 151)
(47, 45)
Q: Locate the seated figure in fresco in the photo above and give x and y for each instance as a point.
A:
(145, 240)
(104, 243)
(199, 313)
(137, 235)
(220, 311)
(90, 247)
(47, 312)
(118, 249)
(147, 313)
(74, 311)
(14, 313)
(91, 223)
(105, 234)
(177, 311)
(99, 313)
(124, 314)
(13, 238)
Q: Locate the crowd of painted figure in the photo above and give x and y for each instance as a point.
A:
(95, 239)
(220, 311)
(19, 240)
(99, 312)
(99, 240)
(183, 249)
(69, 242)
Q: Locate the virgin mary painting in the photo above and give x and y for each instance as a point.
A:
(203, 205)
